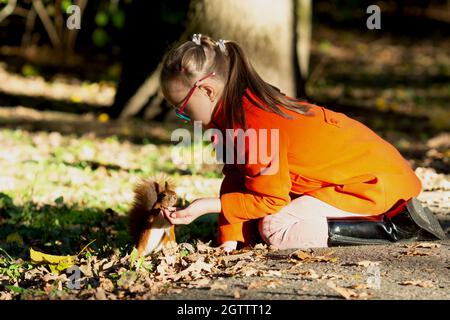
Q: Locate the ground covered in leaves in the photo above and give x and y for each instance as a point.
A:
(66, 184)
(63, 204)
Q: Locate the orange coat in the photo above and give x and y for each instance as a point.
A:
(328, 156)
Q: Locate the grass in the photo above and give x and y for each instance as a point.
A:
(58, 193)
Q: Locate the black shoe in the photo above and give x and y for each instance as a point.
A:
(412, 223)
(425, 219)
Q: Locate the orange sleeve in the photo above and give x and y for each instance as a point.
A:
(230, 231)
(243, 231)
(267, 184)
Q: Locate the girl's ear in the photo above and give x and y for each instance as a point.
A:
(207, 90)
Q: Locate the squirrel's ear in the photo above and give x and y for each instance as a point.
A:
(166, 185)
(156, 187)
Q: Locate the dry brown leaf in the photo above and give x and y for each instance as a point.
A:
(300, 255)
(186, 246)
(272, 284)
(331, 277)
(416, 253)
(268, 273)
(347, 293)
(304, 256)
(249, 271)
(194, 269)
(427, 245)
(309, 274)
(175, 290)
(107, 265)
(366, 263)
(203, 247)
(260, 246)
(171, 260)
(100, 294)
(418, 283)
(106, 284)
(233, 257)
(203, 282)
(218, 286)
(86, 269)
(359, 286)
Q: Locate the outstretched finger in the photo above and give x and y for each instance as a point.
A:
(181, 220)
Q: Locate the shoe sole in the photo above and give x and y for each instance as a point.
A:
(425, 218)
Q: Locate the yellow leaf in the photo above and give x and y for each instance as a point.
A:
(75, 99)
(380, 103)
(14, 237)
(56, 263)
(103, 117)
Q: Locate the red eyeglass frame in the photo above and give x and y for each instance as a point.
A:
(179, 111)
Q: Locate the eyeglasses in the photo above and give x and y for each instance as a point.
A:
(179, 112)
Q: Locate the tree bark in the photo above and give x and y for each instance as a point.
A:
(262, 27)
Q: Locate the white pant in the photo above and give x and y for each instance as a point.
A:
(300, 224)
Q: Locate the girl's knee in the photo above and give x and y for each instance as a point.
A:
(266, 231)
(263, 227)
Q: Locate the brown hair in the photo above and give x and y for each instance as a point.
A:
(189, 61)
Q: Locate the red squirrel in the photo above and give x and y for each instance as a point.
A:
(150, 230)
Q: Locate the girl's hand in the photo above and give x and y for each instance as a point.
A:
(196, 209)
(228, 246)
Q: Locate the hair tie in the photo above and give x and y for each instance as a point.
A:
(196, 38)
(221, 44)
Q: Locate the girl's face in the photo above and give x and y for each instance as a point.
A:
(201, 103)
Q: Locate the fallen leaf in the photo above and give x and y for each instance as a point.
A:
(100, 294)
(272, 284)
(303, 256)
(346, 292)
(309, 274)
(107, 265)
(331, 277)
(415, 253)
(199, 283)
(203, 247)
(359, 286)
(127, 279)
(14, 238)
(427, 245)
(39, 257)
(260, 246)
(233, 257)
(366, 263)
(175, 290)
(269, 273)
(171, 260)
(219, 286)
(56, 263)
(106, 284)
(186, 246)
(194, 269)
(418, 283)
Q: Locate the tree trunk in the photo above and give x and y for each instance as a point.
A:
(302, 48)
(140, 59)
(262, 27)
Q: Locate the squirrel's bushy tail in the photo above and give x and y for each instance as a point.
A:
(145, 197)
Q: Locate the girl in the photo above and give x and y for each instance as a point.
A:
(331, 177)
